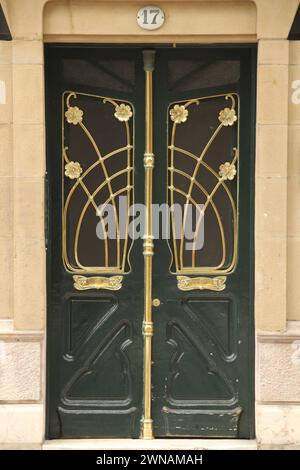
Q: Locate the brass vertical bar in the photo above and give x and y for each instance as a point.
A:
(147, 424)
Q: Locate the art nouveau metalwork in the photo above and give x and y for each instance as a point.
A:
(147, 428)
(179, 114)
(109, 283)
(201, 283)
(227, 171)
(74, 115)
(123, 112)
(203, 172)
(73, 170)
(97, 171)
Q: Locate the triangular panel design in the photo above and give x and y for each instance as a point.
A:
(191, 360)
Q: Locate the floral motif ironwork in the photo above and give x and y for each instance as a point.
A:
(179, 114)
(73, 170)
(74, 115)
(72, 253)
(123, 112)
(227, 171)
(227, 116)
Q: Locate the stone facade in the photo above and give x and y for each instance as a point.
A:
(22, 169)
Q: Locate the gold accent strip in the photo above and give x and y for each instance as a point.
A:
(109, 283)
(201, 283)
(147, 424)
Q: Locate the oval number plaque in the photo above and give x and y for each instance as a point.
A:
(150, 17)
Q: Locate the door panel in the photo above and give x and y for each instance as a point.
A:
(95, 287)
(203, 327)
(202, 346)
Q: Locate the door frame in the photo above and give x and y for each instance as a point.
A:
(251, 47)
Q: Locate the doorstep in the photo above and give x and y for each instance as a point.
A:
(154, 444)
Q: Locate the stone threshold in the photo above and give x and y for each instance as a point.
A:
(155, 444)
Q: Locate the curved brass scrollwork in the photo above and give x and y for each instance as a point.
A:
(81, 178)
(201, 283)
(180, 114)
(109, 283)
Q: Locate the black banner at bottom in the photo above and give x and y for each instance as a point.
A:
(128, 459)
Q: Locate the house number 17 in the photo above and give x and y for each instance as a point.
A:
(150, 17)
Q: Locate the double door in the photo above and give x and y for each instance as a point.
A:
(149, 241)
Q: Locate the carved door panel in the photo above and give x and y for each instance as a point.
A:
(95, 283)
(203, 338)
(103, 379)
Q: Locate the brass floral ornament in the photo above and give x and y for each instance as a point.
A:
(227, 116)
(123, 112)
(179, 114)
(227, 171)
(73, 170)
(74, 115)
(109, 283)
(186, 283)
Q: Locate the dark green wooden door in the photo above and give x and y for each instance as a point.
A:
(203, 114)
(203, 343)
